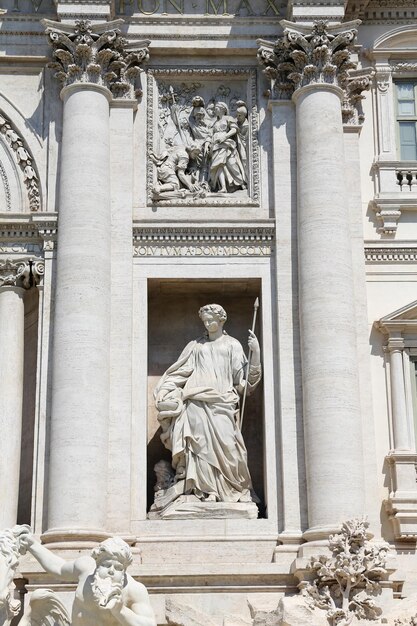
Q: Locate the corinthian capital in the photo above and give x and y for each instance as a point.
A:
(308, 55)
(87, 53)
(305, 55)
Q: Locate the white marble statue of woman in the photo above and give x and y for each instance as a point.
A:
(242, 133)
(198, 402)
(227, 172)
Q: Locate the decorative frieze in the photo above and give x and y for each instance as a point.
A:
(209, 242)
(25, 161)
(404, 66)
(96, 54)
(308, 55)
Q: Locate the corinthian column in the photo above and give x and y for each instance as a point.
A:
(92, 63)
(315, 63)
(15, 277)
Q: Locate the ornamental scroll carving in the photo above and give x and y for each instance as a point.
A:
(24, 273)
(202, 142)
(96, 54)
(24, 159)
(307, 55)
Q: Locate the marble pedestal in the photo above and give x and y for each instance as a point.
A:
(190, 507)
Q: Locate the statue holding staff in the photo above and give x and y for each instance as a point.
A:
(198, 406)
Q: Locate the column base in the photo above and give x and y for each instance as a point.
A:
(58, 537)
(319, 534)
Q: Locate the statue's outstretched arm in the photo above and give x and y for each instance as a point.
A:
(48, 560)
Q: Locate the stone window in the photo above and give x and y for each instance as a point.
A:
(400, 330)
(395, 167)
(406, 114)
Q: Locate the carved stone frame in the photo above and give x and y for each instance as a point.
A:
(246, 73)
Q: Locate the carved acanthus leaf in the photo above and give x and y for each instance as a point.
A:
(347, 582)
(309, 55)
(357, 83)
(97, 55)
(25, 161)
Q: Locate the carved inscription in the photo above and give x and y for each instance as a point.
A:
(202, 251)
(241, 8)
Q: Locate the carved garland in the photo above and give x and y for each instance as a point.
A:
(6, 186)
(24, 159)
(404, 66)
(201, 73)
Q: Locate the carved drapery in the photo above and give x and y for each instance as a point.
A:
(96, 54)
(306, 55)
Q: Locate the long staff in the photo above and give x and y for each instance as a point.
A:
(245, 391)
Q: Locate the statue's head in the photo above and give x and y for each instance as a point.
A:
(213, 310)
(241, 111)
(221, 108)
(112, 556)
(199, 114)
(210, 109)
(194, 150)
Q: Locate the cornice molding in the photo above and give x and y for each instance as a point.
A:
(380, 254)
(197, 241)
(30, 236)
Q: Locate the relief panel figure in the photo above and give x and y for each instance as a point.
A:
(198, 409)
(226, 168)
(209, 125)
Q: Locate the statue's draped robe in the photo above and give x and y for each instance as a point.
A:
(208, 377)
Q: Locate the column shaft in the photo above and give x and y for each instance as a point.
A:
(327, 316)
(399, 410)
(80, 377)
(11, 399)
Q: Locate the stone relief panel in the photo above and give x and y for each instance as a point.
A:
(202, 137)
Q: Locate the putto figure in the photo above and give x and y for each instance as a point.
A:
(106, 594)
(198, 404)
